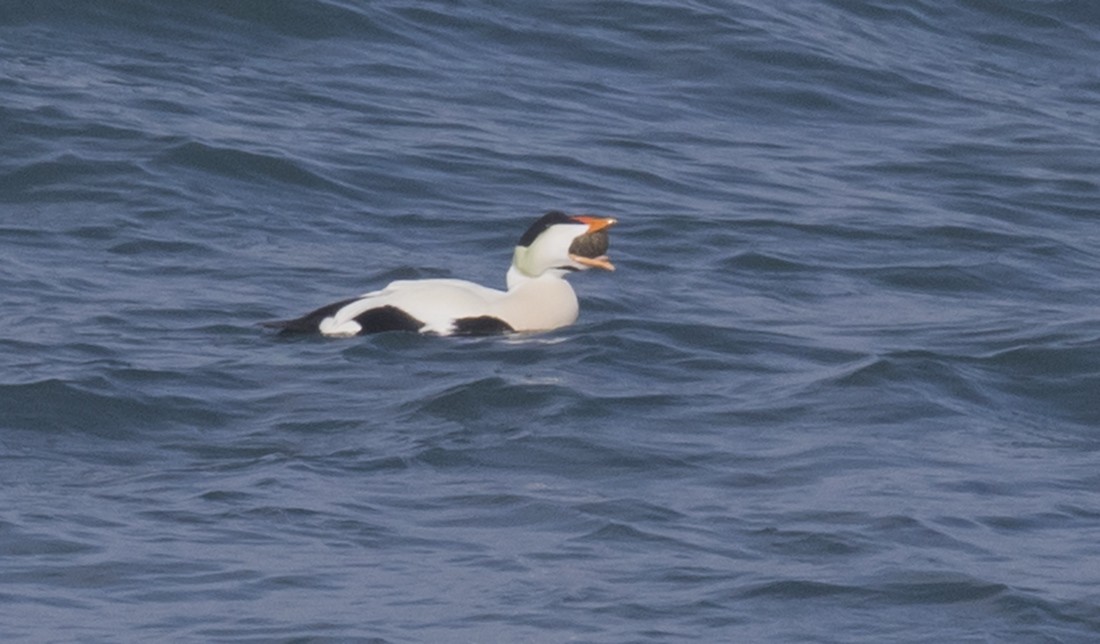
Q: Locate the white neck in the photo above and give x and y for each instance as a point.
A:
(517, 278)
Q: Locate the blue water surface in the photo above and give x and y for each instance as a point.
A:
(843, 387)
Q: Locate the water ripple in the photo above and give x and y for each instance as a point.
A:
(841, 386)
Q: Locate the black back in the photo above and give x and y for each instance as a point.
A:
(310, 322)
(386, 318)
(377, 320)
(482, 325)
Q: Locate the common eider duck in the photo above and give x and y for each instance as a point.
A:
(538, 297)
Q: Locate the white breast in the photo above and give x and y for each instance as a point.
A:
(539, 304)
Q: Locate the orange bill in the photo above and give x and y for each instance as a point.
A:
(596, 224)
(594, 262)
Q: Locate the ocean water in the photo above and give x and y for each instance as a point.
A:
(843, 387)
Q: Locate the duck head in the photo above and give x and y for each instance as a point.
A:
(561, 243)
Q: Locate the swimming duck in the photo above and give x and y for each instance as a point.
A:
(538, 297)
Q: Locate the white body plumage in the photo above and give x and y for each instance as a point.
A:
(538, 296)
